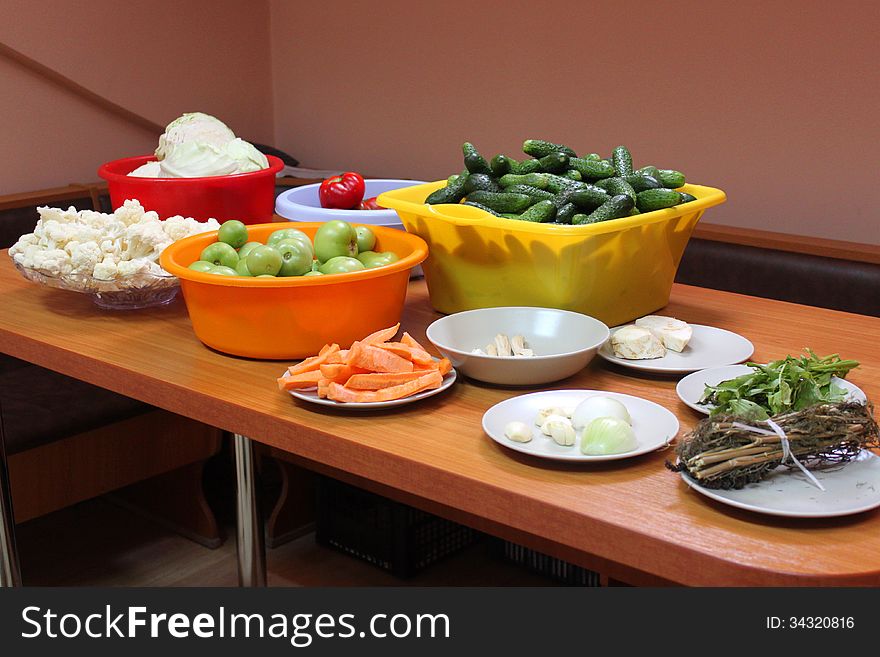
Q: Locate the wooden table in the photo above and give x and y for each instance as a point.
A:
(631, 520)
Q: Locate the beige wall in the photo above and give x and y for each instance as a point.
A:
(157, 58)
(774, 102)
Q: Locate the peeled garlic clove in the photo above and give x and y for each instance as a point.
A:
(490, 350)
(558, 428)
(544, 413)
(518, 432)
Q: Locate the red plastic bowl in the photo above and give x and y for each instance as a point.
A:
(248, 197)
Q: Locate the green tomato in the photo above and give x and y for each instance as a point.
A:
(242, 268)
(247, 248)
(296, 258)
(264, 260)
(372, 259)
(341, 265)
(366, 239)
(302, 240)
(233, 232)
(201, 265)
(335, 238)
(313, 273)
(286, 234)
(220, 270)
(265, 276)
(220, 254)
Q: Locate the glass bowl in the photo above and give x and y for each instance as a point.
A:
(141, 290)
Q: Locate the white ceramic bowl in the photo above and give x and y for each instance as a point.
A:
(303, 204)
(563, 341)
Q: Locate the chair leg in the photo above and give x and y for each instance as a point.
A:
(249, 531)
(10, 572)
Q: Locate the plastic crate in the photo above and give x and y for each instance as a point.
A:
(393, 536)
(543, 564)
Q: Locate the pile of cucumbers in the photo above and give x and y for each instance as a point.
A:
(555, 186)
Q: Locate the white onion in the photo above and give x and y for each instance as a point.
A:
(608, 435)
(598, 406)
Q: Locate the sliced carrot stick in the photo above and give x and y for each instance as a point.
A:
(425, 382)
(382, 335)
(312, 363)
(340, 393)
(406, 351)
(444, 366)
(340, 372)
(324, 350)
(377, 360)
(378, 380)
(323, 386)
(302, 380)
(337, 357)
(411, 341)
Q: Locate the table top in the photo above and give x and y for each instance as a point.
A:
(632, 512)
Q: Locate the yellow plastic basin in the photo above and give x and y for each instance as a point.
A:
(615, 271)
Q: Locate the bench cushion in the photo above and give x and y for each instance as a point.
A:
(799, 278)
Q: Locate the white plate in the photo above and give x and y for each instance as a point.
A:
(709, 347)
(653, 425)
(691, 387)
(311, 395)
(850, 488)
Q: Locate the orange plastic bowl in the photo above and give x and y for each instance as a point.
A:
(292, 317)
(249, 197)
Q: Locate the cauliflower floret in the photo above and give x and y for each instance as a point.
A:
(132, 267)
(178, 227)
(132, 212)
(54, 262)
(106, 269)
(84, 256)
(144, 240)
(28, 239)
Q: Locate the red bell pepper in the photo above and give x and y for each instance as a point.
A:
(343, 192)
(370, 204)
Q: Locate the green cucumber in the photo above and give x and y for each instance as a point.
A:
(617, 185)
(686, 198)
(481, 181)
(593, 156)
(524, 167)
(614, 208)
(574, 174)
(538, 180)
(510, 215)
(557, 184)
(539, 148)
(622, 161)
(634, 212)
(500, 164)
(473, 161)
(650, 170)
(540, 212)
(452, 193)
(451, 179)
(589, 197)
(642, 181)
(534, 192)
(565, 213)
(591, 169)
(657, 199)
(482, 207)
(502, 201)
(671, 178)
(554, 163)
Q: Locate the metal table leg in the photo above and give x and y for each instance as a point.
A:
(249, 533)
(10, 573)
